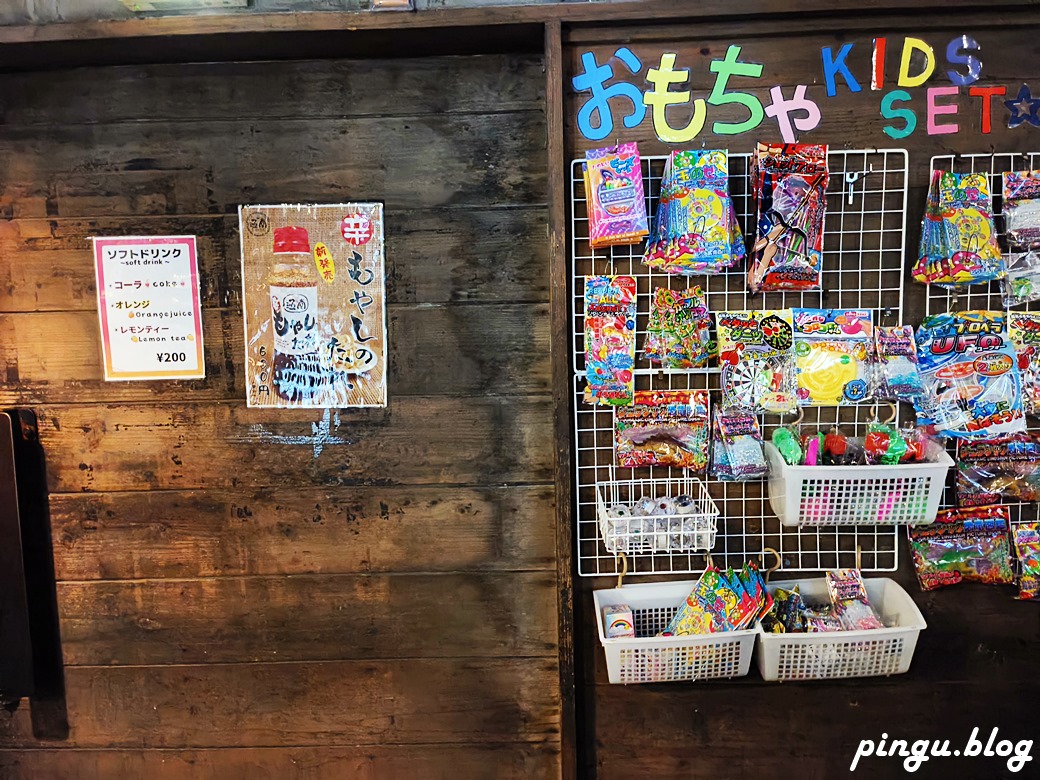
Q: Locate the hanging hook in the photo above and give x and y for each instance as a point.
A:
(859, 557)
(624, 569)
(779, 562)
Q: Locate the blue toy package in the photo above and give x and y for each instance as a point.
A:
(971, 376)
(898, 374)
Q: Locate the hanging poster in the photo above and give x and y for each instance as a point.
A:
(148, 307)
(314, 305)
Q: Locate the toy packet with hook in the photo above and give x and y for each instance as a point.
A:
(663, 428)
(958, 238)
(614, 196)
(832, 348)
(1027, 547)
(971, 376)
(1024, 332)
(678, 333)
(719, 602)
(963, 545)
(610, 339)
(992, 470)
(756, 354)
(789, 182)
(695, 230)
(737, 453)
(897, 375)
(849, 599)
(1021, 284)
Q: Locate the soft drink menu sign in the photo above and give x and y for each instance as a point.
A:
(314, 303)
(148, 306)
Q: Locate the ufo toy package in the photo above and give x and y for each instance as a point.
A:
(695, 229)
(971, 376)
(831, 349)
(789, 182)
(958, 238)
(614, 196)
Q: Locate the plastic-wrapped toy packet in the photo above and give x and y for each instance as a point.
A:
(614, 196)
(610, 339)
(1027, 547)
(958, 238)
(785, 439)
(884, 445)
(787, 614)
(757, 358)
(1022, 220)
(737, 453)
(717, 603)
(898, 375)
(663, 428)
(695, 229)
(963, 545)
(832, 348)
(789, 182)
(1021, 282)
(1024, 332)
(992, 470)
(821, 619)
(849, 598)
(971, 376)
(678, 333)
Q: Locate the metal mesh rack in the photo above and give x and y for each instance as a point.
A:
(985, 296)
(864, 239)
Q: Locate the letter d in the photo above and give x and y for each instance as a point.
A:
(909, 45)
(973, 747)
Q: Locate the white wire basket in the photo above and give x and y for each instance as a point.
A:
(648, 658)
(838, 654)
(905, 494)
(664, 514)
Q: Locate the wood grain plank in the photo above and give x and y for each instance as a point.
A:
(308, 618)
(269, 90)
(55, 357)
(188, 446)
(464, 255)
(470, 701)
(157, 534)
(508, 761)
(211, 167)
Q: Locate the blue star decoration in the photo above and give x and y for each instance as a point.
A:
(1024, 108)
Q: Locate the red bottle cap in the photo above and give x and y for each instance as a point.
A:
(291, 239)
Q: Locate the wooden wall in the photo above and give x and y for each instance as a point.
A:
(975, 665)
(234, 604)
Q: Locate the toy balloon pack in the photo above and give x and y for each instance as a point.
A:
(756, 353)
(663, 428)
(897, 376)
(789, 182)
(695, 229)
(1027, 547)
(610, 339)
(958, 238)
(963, 545)
(992, 470)
(614, 196)
(1021, 284)
(678, 333)
(832, 349)
(971, 375)
(1024, 332)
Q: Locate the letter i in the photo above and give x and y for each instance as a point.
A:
(881, 746)
(878, 77)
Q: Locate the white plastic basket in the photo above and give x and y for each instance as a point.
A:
(675, 531)
(649, 658)
(905, 494)
(839, 654)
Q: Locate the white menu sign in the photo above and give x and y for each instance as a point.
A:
(148, 305)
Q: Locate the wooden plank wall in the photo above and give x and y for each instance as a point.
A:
(234, 604)
(976, 663)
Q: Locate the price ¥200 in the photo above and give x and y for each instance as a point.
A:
(171, 357)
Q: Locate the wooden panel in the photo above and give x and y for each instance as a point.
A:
(184, 446)
(428, 762)
(308, 618)
(433, 351)
(464, 255)
(299, 531)
(211, 167)
(452, 701)
(276, 90)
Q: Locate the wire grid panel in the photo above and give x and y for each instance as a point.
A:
(863, 261)
(985, 296)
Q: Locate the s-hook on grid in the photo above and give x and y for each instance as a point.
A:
(864, 236)
(985, 296)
